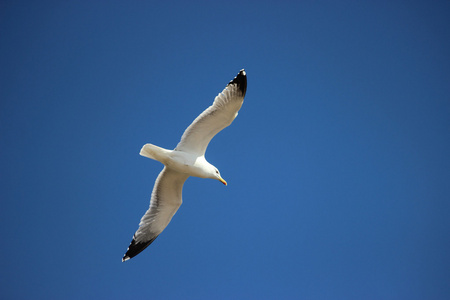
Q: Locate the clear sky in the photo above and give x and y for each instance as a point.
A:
(338, 164)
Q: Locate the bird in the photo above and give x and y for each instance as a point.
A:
(187, 159)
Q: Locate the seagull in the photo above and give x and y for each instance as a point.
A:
(187, 159)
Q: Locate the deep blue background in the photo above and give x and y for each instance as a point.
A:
(338, 164)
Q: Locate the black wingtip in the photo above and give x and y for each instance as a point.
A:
(136, 248)
(241, 81)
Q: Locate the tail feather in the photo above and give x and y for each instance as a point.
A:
(146, 151)
(154, 152)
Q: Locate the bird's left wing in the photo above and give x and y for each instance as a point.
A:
(165, 201)
(215, 118)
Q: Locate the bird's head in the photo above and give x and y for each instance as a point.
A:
(216, 175)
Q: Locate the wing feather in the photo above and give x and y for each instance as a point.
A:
(164, 203)
(219, 115)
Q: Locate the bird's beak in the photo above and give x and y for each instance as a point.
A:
(222, 180)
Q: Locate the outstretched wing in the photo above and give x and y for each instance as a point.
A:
(165, 201)
(215, 118)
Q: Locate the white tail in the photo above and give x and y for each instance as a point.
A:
(154, 152)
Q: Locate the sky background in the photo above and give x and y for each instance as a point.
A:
(338, 164)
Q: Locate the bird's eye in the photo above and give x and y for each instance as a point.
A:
(217, 171)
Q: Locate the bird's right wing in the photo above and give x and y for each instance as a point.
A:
(165, 201)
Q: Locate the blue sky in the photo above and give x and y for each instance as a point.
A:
(337, 165)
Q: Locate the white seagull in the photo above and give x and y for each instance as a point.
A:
(187, 159)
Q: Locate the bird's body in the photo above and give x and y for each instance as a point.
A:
(187, 159)
(180, 161)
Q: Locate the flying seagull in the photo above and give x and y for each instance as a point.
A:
(187, 159)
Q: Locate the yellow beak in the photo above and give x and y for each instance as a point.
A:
(222, 180)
